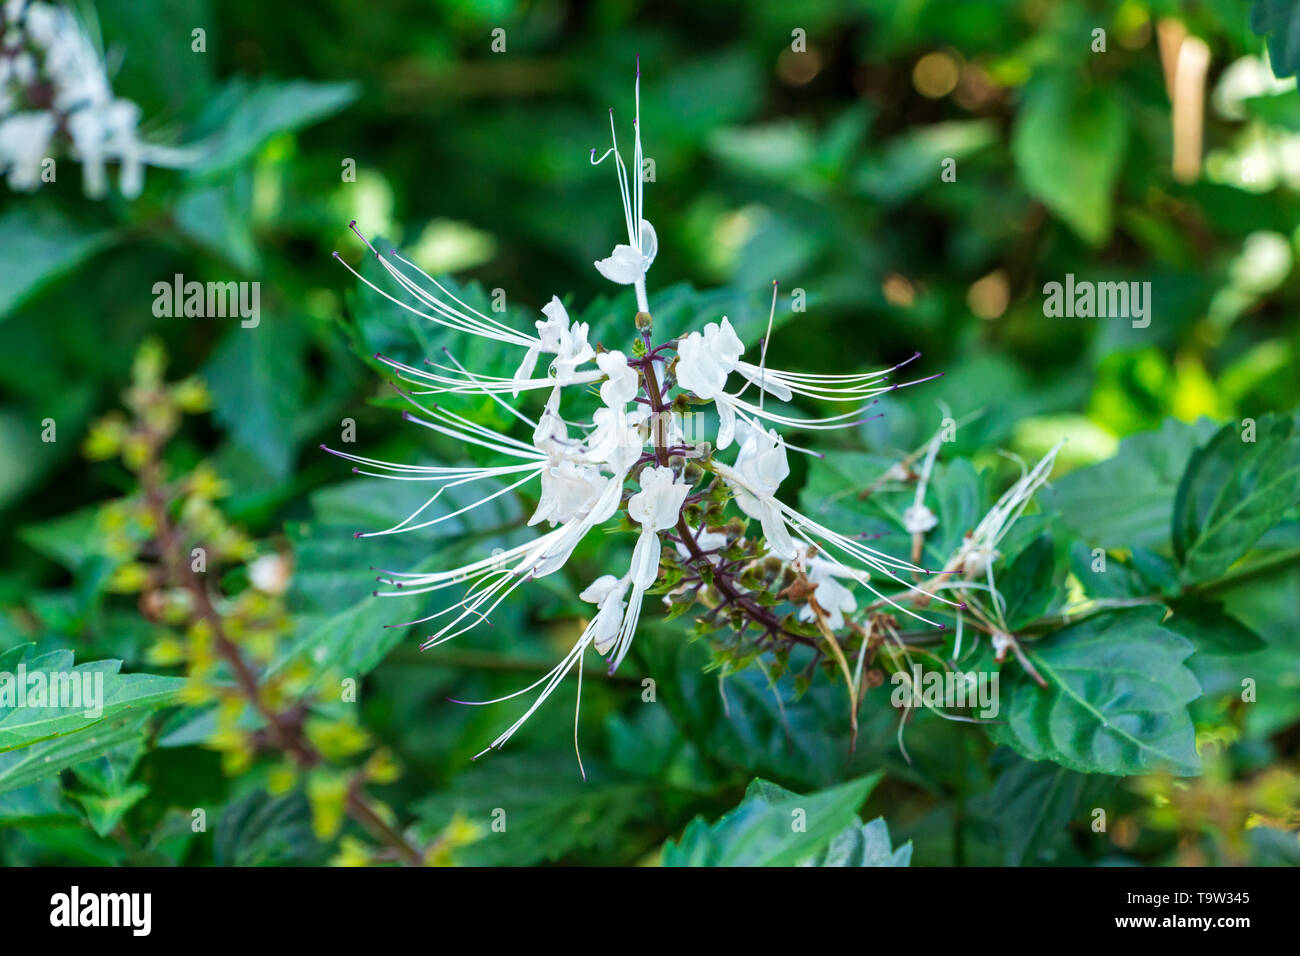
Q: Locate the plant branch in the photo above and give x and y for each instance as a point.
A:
(286, 733)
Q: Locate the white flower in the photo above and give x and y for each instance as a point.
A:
(47, 45)
(656, 508)
(760, 468)
(556, 335)
(622, 382)
(609, 593)
(551, 435)
(617, 440)
(568, 490)
(975, 558)
(628, 265)
(582, 470)
(979, 550)
(573, 350)
(24, 145)
(831, 596)
(270, 573)
(704, 360)
(918, 519)
(552, 330)
(762, 463)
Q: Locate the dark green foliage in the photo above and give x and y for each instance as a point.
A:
(1153, 585)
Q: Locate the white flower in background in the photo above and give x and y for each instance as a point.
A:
(709, 542)
(24, 144)
(580, 468)
(54, 88)
(270, 573)
(917, 517)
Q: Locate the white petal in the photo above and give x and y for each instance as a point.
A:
(726, 424)
(525, 370)
(918, 519)
(608, 621)
(599, 588)
(556, 312)
(728, 341)
(778, 538)
(649, 242)
(645, 560)
(625, 266)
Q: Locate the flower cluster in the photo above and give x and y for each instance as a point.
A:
(54, 88)
(636, 456)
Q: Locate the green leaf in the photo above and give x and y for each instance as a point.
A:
(354, 641)
(260, 830)
(344, 628)
(105, 811)
(70, 539)
(111, 772)
(913, 159)
(957, 488)
(1030, 584)
(38, 247)
(771, 828)
(35, 804)
(216, 216)
(111, 794)
(1068, 144)
(867, 844)
(750, 725)
(1115, 579)
(1211, 629)
(1126, 501)
(247, 115)
(257, 382)
(1032, 804)
(1116, 700)
(1232, 492)
(93, 693)
(28, 764)
(562, 820)
(1279, 20)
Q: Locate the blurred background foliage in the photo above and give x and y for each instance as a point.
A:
(820, 168)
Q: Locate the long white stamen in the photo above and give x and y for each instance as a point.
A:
(468, 327)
